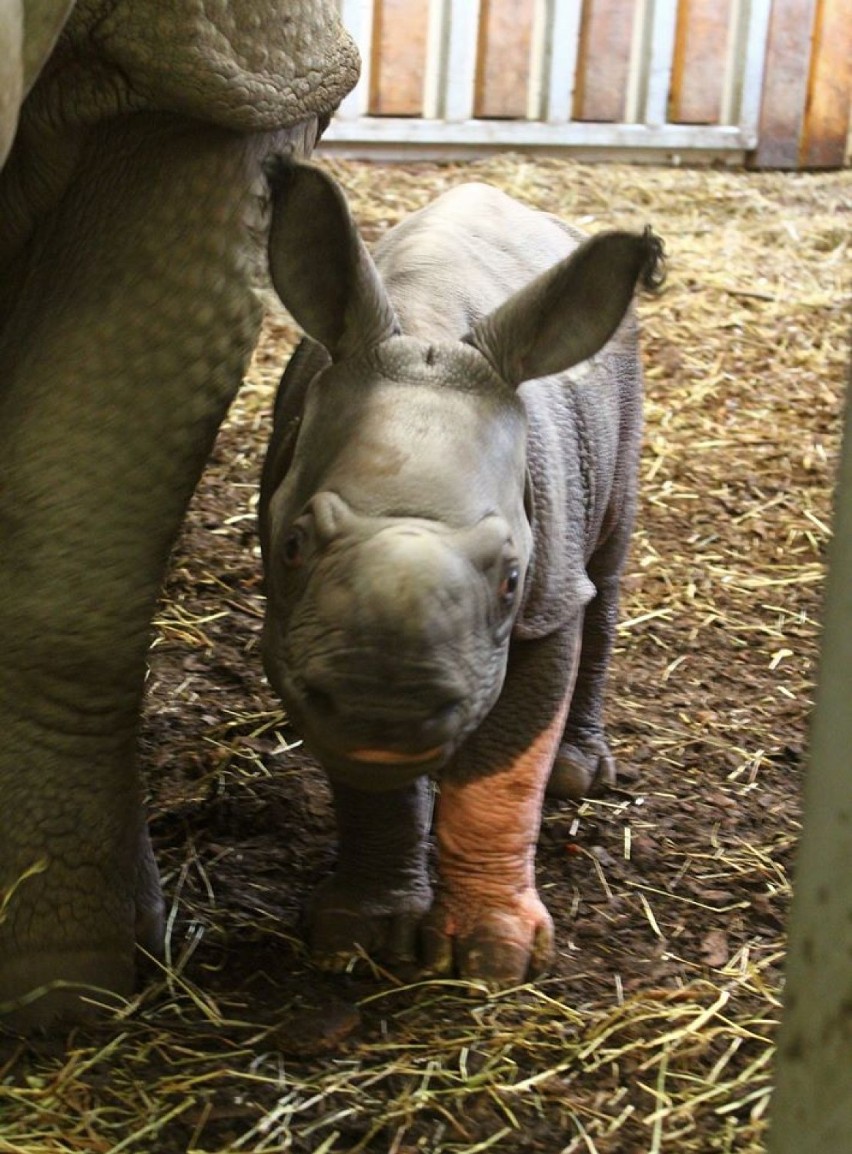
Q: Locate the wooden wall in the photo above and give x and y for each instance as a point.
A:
(778, 71)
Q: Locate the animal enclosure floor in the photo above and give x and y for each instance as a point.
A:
(653, 1032)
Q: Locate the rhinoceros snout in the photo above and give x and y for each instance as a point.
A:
(361, 717)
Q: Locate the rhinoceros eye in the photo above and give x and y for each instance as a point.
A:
(509, 585)
(293, 548)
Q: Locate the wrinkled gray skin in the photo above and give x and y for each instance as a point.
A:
(445, 510)
(131, 224)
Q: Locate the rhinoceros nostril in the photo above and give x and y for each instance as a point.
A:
(443, 712)
(318, 700)
(444, 716)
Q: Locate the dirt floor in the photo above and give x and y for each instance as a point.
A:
(654, 1029)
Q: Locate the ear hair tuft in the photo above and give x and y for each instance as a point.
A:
(279, 168)
(653, 274)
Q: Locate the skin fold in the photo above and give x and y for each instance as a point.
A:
(445, 510)
(132, 227)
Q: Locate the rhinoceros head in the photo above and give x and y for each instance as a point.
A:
(388, 639)
(397, 542)
(396, 549)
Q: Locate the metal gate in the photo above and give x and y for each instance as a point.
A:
(658, 77)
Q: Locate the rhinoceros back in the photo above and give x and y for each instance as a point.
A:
(462, 255)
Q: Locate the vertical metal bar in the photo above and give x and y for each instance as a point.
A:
(435, 53)
(556, 43)
(637, 73)
(734, 58)
(536, 97)
(357, 18)
(747, 115)
(661, 32)
(461, 26)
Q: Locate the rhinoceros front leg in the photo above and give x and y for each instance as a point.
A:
(118, 357)
(380, 890)
(488, 920)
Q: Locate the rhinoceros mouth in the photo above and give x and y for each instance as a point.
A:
(394, 757)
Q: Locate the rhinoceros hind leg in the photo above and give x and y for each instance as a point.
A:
(581, 771)
(584, 764)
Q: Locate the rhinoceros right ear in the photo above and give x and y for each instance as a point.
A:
(320, 267)
(569, 312)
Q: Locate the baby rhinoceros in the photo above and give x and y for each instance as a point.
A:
(445, 510)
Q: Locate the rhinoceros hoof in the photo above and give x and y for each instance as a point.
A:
(63, 987)
(344, 925)
(579, 773)
(500, 945)
(53, 983)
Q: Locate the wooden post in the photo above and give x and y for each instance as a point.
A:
(785, 83)
(812, 1104)
(826, 128)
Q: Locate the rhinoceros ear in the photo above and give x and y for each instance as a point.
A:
(569, 312)
(320, 267)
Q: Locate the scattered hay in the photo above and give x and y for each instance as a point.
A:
(655, 1031)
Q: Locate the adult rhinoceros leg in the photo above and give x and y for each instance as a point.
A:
(488, 920)
(380, 890)
(118, 358)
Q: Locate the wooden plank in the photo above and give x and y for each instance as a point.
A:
(698, 75)
(504, 58)
(606, 36)
(785, 85)
(398, 59)
(745, 91)
(826, 127)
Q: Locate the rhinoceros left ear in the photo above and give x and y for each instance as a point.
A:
(320, 267)
(569, 312)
